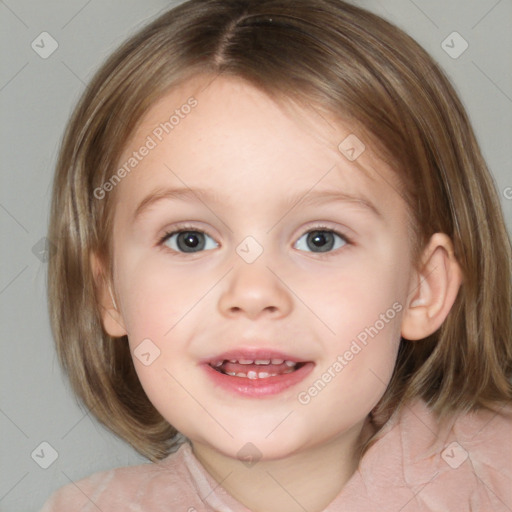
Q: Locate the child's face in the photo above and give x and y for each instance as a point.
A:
(268, 179)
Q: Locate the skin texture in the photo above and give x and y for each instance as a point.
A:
(258, 160)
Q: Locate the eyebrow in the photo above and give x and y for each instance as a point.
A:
(206, 196)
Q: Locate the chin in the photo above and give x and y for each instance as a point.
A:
(252, 445)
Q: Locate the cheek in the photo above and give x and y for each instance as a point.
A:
(362, 307)
(357, 294)
(157, 296)
(357, 366)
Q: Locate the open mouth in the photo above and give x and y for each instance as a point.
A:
(256, 373)
(256, 368)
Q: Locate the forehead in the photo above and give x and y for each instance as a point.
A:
(224, 134)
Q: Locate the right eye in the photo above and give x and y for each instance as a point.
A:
(187, 241)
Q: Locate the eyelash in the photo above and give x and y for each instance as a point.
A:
(186, 227)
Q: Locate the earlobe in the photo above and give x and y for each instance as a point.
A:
(111, 316)
(433, 289)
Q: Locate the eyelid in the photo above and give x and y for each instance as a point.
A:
(180, 227)
(322, 226)
(189, 227)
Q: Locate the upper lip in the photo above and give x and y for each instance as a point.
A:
(252, 354)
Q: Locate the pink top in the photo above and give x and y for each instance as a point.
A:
(467, 467)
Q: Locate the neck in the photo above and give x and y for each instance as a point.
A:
(308, 479)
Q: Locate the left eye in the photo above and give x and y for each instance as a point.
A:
(320, 240)
(189, 241)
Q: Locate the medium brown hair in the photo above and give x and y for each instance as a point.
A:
(347, 62)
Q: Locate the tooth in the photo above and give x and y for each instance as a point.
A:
(218, 364)
(232, 360)
(290, 363)
(245, 361)
(241, 374)
(263, 375)
(231, 373)
(277, 361)
(251, 374)
(290, 370)
(262, 361)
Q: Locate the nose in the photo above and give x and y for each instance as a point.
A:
(255, 291)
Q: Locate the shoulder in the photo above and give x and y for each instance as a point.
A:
(470, 436)
(150, 486)
(464, 463)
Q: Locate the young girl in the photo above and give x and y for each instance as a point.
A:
(281, 271)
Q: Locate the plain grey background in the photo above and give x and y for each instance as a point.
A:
(37, 94)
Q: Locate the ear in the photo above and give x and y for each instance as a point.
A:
(111, 316)
(433, 290)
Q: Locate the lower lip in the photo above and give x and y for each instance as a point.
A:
(258, 387)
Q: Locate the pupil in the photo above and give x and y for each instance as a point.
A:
(189, 241)
(323, 241)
